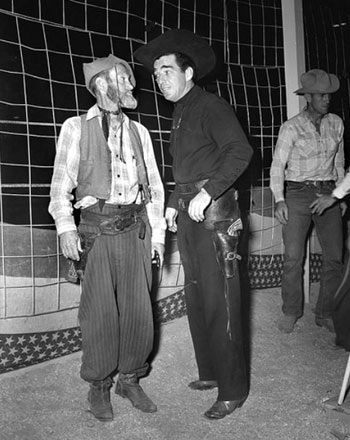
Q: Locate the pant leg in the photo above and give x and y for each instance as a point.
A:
(294, 235)
(134, 302)
(115, 310)
(329, 230)
(208, 315)
(195, 306)
(98, 316)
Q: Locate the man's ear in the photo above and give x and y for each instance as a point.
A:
(307, 96)
(189, 73)
(101, 85)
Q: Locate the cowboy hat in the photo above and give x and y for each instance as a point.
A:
(318, 81)
(101, 64)
(178, 40)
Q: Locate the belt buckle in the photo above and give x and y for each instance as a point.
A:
(118, 223)
(107, 226)
(312, 183)
(181, 204)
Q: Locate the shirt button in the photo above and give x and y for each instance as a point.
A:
(118, 175)
(120, 194)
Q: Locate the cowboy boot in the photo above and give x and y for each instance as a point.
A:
(99, 399)
(128, 386)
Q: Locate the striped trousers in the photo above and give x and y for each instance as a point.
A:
(115, 313)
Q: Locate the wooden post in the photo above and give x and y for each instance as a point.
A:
(294, 61)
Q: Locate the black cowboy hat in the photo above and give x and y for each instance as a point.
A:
(179, 40)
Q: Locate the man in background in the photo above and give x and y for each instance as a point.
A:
(309, 160)
(210, 151)
(109, 160)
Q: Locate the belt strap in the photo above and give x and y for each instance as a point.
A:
(192, 187)
(312, 182)
(107, 224)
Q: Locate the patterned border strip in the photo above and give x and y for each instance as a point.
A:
(265, 271)
(22, 350)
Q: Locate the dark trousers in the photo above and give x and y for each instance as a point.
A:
(329, 231)
(115, 313)
(218, 356)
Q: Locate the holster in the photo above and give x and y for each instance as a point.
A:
(77, 267)
(225, 238)
(225, 208)
(223, 218)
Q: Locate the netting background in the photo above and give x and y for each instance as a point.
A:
(43, 45)
(327, 47)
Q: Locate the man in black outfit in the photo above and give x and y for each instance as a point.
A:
(210, 151)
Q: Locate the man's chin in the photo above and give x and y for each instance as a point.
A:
(168, 97)
(129, 102)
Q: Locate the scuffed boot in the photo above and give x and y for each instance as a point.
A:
(100, 400)
(127, 386)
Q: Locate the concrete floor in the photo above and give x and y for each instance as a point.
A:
(291, 379)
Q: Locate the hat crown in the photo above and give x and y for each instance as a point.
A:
(318, 81)
(179, 40)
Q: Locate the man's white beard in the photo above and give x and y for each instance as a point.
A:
(127, 100)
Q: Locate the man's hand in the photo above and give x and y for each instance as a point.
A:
(323, 202)
(281, 212)
(343, 208)
(70, 245)
(170, 217)
(198, 205)
(159, 249)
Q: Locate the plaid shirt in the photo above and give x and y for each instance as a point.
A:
(124, 175)
(302, 153)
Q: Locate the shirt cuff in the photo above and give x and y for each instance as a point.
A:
(158, 236)
(279, 197)
(65, 224)
(338, 193)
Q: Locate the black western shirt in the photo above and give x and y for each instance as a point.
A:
(207, 142)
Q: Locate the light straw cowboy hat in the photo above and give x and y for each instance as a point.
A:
(318, 81)
(101, 64)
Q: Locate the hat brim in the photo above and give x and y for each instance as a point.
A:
(334, 86)
(178, 40)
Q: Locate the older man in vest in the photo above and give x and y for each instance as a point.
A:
(108, 160)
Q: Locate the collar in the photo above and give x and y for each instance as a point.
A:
(190, 96)
(305, 114)
(95, 112)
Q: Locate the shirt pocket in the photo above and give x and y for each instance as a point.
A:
(331, 146)
(306, 147)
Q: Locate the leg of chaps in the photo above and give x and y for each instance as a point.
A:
(226, 256)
